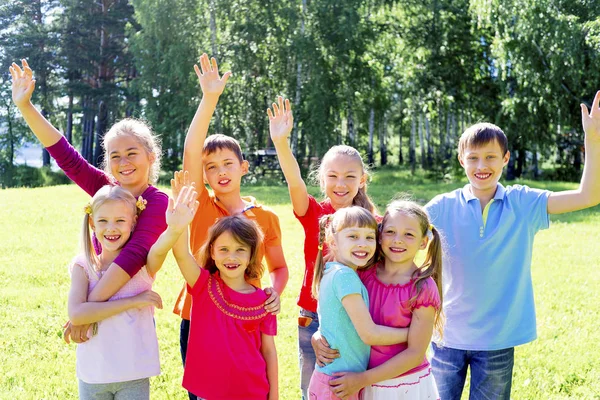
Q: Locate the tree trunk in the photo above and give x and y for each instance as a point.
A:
(412, 159)
(213, 44)
(100, 131)
(69, 130)
(429, 143)
(371, 159)
(400, 156)
(422, 143)
(350, 125)
(382, 144)
(298, 97)
(45, 154)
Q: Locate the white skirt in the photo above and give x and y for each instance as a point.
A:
(417, 386)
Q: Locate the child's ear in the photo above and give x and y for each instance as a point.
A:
(506, 158)
(363, 181)
(460, 160)
(424, 243)
(245, 167)
(135, 218)
(91, 223)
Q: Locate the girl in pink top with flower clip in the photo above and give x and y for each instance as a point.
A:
(231, 348)
(131, 160)
(401, 294)
(122, 354)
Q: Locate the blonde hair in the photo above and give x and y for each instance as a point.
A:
(353, 216)
(361, 199)
(432, 266)
(143, 135)
(244, 231)
(104, 194)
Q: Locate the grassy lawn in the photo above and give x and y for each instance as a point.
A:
(40, 234)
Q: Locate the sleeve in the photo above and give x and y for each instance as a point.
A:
(150, 224)
(312, 213)
(534, 203)
(346, 282)
(78, 262)
(434, 209)
(429, 296)
(273, 235)
(77, 168)
(268, 326)
(200, 283)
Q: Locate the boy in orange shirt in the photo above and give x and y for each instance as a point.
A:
(218, 161)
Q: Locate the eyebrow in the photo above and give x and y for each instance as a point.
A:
(131, 148)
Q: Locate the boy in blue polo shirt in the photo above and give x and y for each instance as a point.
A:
(489, 231)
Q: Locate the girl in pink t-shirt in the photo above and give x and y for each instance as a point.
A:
(122, 351)
(401, 294)
(231, 348)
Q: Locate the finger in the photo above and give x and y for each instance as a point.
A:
(198, 72)
(205, 63)
(226, 76)
(195, 207)
(584, 112)
(170, 206)
(13, 73)
(25, 63)
(213, 65)
(288, 108)
(319, 363)
(31, 86)
(67, 333)
(280, 103)
(28, 72)
(18, 70)
(596, 104)
(270, 113)
(275, 109)
(186, 177)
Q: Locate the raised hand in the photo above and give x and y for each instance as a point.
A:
(180, 179)
(148, 298)
(181, 211)
(591, 120)
(23, 83)
(208, 74)
(281, 120)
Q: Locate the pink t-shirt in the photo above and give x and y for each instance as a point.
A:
(389, 306)
(223, 357)
(125, 347)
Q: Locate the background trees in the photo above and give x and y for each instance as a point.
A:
(399, 79)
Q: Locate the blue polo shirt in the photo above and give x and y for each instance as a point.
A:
(488, 293)
(338, 282)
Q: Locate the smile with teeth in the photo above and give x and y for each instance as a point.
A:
(112, 238)
(397, 250)
(341, 194)
(231, 266)
(483, 176)
(360, 254)
(224, 181)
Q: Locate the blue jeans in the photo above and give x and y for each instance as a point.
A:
(306, 354)
(184, 334)
(491, 372)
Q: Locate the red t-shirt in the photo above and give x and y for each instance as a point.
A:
(310, 223)
(223, 358)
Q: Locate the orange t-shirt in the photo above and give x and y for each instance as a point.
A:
(209, 210)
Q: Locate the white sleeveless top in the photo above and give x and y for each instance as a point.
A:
(125, 347)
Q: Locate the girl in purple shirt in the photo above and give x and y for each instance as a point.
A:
(131, 160)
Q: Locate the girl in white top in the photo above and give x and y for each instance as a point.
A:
(122, 352)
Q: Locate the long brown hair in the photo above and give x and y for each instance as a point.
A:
(244, 231)
(354, 216)
(432, 266)
(361, 199)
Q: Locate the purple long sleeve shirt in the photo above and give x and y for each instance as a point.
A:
(151, 222)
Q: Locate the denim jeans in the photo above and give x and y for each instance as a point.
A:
(306, 354)
(184, 333)
(491, 372)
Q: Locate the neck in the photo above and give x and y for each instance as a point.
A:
(136, 190)
(106, 258)
(484, 196)
(398, 273)
(232, 202)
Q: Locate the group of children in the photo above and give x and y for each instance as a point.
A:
(368, 309)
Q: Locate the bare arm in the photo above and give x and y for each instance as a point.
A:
(83, 312)
(212, 87)
(281, 122)
(23, 85)
(588, 193)
(369, 332)
(186, 262)
(269, 353)
(419, 337)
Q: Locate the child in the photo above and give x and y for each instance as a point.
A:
(231, 350)
(401, 294)
(343, 301)
(488, 293)
(343, 177)
(121, 355)
(131, 160)
(218, 160)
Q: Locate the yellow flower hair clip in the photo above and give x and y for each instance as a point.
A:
(141, 203)
(88, 209)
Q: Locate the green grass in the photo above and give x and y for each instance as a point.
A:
(40, 234)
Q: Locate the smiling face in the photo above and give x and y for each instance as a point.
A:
(353, 246)
(231, 257)
(483, 166)
(341, 178)
(129, 162)
(113, 222)
(401, 238)
(223, 171)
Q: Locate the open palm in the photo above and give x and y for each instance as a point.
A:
(208, 74)
(591, 120)
(23, 83)
(281, 120)
(181, 211)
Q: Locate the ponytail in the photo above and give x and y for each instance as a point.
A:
(363, 200)
(320, 263)
(91, 258)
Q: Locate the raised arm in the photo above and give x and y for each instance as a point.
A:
(419, 337)
(23, 85)
(212, 86)
(83, 312)
(281, 122)
(588, 193)
(369, 332)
